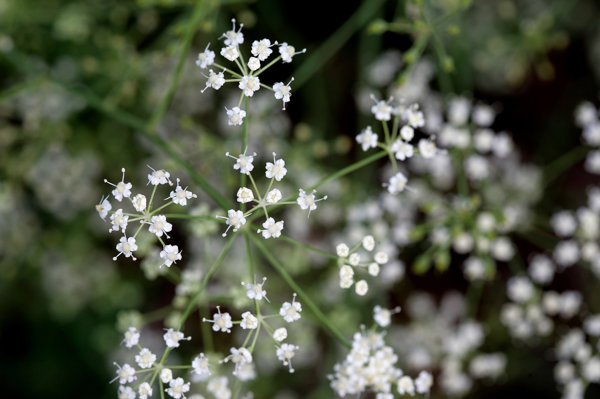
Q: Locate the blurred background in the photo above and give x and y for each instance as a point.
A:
(81, 81)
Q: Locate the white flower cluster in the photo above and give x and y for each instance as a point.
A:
(146, 361)
(247, 77)
(371, 366)
(350, 259)
(587, 117)
(157, 223)
(275, 171)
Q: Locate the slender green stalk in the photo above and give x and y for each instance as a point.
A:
(249, 253)
(564, 162)
(333, 330)
(307, 247)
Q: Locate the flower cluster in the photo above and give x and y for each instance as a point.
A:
(587, 117)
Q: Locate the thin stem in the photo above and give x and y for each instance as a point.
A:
(308, 247)
(563, 163)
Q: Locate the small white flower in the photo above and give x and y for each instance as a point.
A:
(342, 250)
(424, 382)
(235, 116)
(367, 139)
(201, 366)
(126, 393)
(249, 84)
(273, 196)
(177, 388)
(230, 52)
(235, 219)
(205, 58)
(291, 311)
(402, 149)
(271, 228)
(159, 225)
(414, 116)
(276, 169)
(308, 201)
(181, 195)
(121, 189)
(125, 374)
(173, 337)
(346, 276)
(406, 386)
(145, 390)
(118, 221)
(285, 353)
(381, 258)
(221, 321)
(255, 291)
(145, 359)
(170, 254)
(103, 207)
(368, 243)
(249, 321)
(280, 334)
(261, 49)
(126, 246)
(132, 337)
(139, 202)
(157, 177)
(407, 133)
(383, 316)
(253, 64)
(233, 37)
(382, 110)
(243, 162)
(214, 80)
(245, 195)
(283, 91)
(166, 375)
(427, 148)
(354, 259)
(361, 287)
(287, 52)
(397, 183)
(239, 357)
(373, 269)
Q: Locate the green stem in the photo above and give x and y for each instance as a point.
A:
(563, 163)
(311, 305)
(308, 247)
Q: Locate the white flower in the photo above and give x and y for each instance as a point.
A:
(243, 162)
(145, 359)
(367, 139)
(235, 116)
(132, 337)
(200, 365)
(283, 91)
(346, 276)
(563, 223)
(230, 52)
(214, 80)
(170, 254)
(126, 393)
(368, 243)
(424, 382)
(125, 374)
(291, 311)
(477, 167)
(520, 289)
(233, 37)
(103, 207)
(287, 52)
(118, 221)
(406, 386)
(285, 353)
(177, 388)
(308, 201)
(354, 259)
(235, 219)
(181, 195)
(402, 149)
(407, 133)
(280, 334)
(397, 183)
(253, 64)
(373, 269)
(245, 195)
(145, 390)
(121, 189)
(271, 228)
(166, 375)
(239, 357)
(414, 116)
(273, 196)
(382, 316)
(139, 202)
(361, 287)
(261, 49)
(205, 58)
(159, 225)
(173, 337)
(427, 148)
(249, 321)
(249, 84)
(221, 321)
(126, 246)
(276, 169)
(157, 177)
(342, 250)
(255, 291)
(382, 110)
